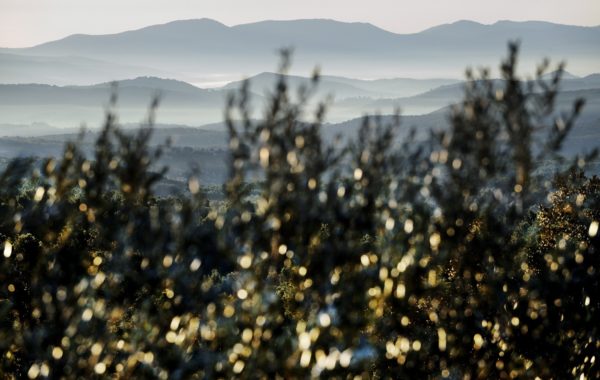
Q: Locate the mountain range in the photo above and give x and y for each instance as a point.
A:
(204, 50)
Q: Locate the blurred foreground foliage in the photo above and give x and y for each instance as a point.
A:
(453, 257)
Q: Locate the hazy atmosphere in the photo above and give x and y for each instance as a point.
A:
(299, 189)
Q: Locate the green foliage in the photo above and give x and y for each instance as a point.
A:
(454, 257)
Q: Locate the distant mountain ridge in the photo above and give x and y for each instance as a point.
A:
(182, 103)
(195, 49)
(317, 27)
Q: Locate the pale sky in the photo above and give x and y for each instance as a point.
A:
(29, 22)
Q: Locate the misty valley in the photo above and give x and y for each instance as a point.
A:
(43, 104)
(303, 198)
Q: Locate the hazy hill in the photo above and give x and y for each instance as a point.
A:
(138, 92)
(584, 137)
(264, 83)
(67, 106)
(342, 87)
(445, 95)
(585, 83)
(150, 82)
(197, 48)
